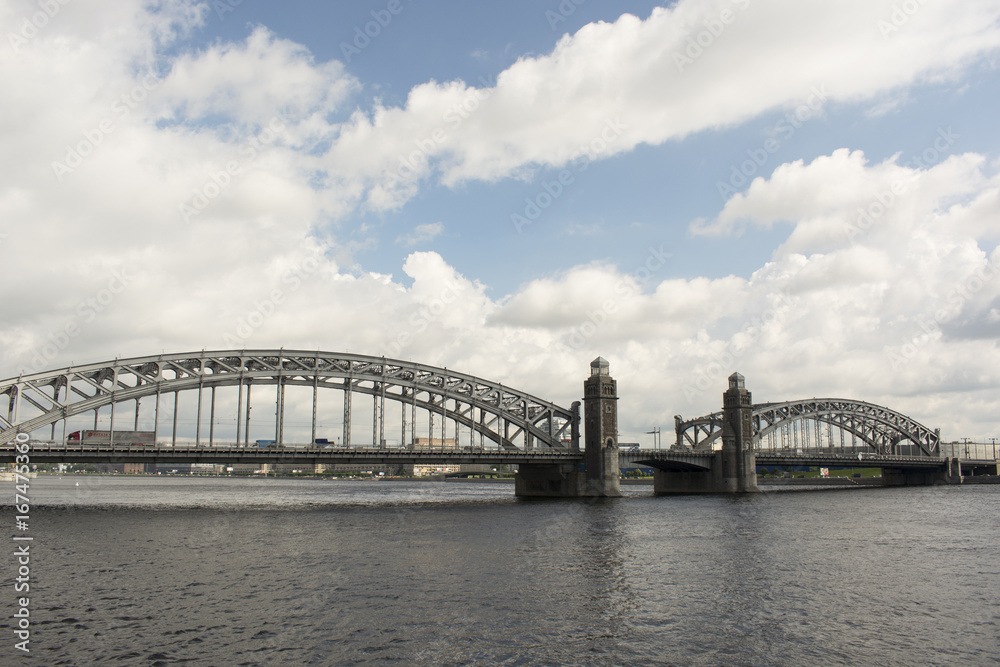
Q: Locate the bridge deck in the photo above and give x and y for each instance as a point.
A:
(57, 453)
(665, 459)
(845, 460)
(693, 460)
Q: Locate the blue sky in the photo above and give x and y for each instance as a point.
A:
(239, 172)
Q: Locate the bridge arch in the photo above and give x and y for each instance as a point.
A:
(498, 413)
(881, 429)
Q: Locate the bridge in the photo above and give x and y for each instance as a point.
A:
(109, 389)
(809, 432)
(786, 426)
(466, 419)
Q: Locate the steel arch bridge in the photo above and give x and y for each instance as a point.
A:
(882, 430)
(496, 412)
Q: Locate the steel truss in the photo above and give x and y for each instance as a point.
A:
(881, 430)
(496, 412)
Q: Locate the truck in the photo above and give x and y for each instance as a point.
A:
(121, 438)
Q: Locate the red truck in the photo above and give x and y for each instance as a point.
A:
(121, 438)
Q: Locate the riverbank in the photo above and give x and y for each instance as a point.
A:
(845, 482)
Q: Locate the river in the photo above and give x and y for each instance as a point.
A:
(205, 571)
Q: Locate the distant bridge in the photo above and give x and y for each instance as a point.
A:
(787, 426)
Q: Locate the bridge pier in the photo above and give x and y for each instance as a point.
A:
(598, 476)
(734, 469)
(950, 473)
(557, 480)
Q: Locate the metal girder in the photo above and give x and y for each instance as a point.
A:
(699, 433)
(880, 428)
(93, 386)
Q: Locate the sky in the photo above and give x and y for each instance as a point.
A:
(802, 191)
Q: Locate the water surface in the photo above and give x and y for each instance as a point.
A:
(139, 570)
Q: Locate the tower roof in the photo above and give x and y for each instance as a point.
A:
(600, 366)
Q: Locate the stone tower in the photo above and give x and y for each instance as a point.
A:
(739, 462)
(600, 413)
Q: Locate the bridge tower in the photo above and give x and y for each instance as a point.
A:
(597, 476)
(734, 468)
(600, 410)
(739, 464)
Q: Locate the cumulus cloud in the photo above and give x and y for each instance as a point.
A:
(613, 86)
(251, 82)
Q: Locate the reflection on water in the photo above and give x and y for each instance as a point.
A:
(273, 572)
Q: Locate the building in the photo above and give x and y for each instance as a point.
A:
(435, 444)
(433, 469)
(292, 468)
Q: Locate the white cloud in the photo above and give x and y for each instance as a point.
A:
(613, 86)
(251, 82)
(836, 199)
